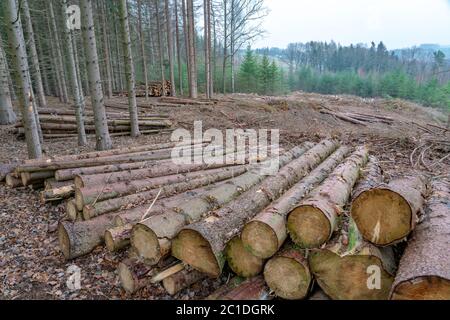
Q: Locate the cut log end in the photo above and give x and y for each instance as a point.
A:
(241, 260)
(356, 277)
(382, 216)
(308, 226)
(146, 243)
(260, 239)
(190, 247)
(64, 241)
(126, 277)
(423, 288)
(288, 278)
(71, 210)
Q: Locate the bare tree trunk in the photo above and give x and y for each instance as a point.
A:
(119, 66)
(106, 50)
(177, 34)
(75, 85)
(193, 92)
(34, 56)
(225, 37)
(214, 55)
(160, 47)
(207, 48)
(22, 73)
(173, 92)
(232, 43)
(7, 115)
(54, 68)
(186, 40)
(142, 47)
(129, 67)
(101, 126)
(59, 54)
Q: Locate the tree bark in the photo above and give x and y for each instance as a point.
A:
(182, 280)
(264, 235)
(59, 53)
(160, 48)
(80, 238)
(89, 195)
(193, 92)
(152, 238)
(287, 274)
(106, 50)
(102, 207)
(142, 47)
(386, 213)
(186, 41)
(34, 56)
(103, 140)
(129, 67)
(312, 223)
(239, 289)
(170, 47)
(76, 92)
(178, 44)
(7, 115)
(202, 244)
(24, 90)
(424, 272)
(207, 40)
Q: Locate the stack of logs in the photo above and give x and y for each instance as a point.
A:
(326, 214)
(63, 123)
(155, 89)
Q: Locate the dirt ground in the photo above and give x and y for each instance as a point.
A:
(31, 266)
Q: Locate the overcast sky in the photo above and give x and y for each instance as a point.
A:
(398, 23)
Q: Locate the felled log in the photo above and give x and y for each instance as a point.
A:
(151, 239)
(134, 275)
(182, 101)
(51, 183)
(136, 214)
(240, 289)
(201, 244)
(153, 171)
(424, 272)
(89, 195)
(350, 268)
(387, 213)
(287, 274)
(12, 181)
(118, 238)
(57, 194)
(72, 212)
(80, 238)
(32, 177)
(264, 235)
(167, 188)
(5, 169)
(182, 280)
(313, 221)
(241, 261)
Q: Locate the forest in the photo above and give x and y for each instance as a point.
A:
(136, 138)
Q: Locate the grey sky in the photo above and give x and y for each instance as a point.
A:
(398, 23)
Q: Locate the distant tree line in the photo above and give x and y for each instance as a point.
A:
(330, 68)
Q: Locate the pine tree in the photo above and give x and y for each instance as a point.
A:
(248, 73)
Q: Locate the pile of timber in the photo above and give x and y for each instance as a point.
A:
(155, 89)
(357, 117)
(325, 221)
(62, 123)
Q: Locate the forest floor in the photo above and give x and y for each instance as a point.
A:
(31, 265)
